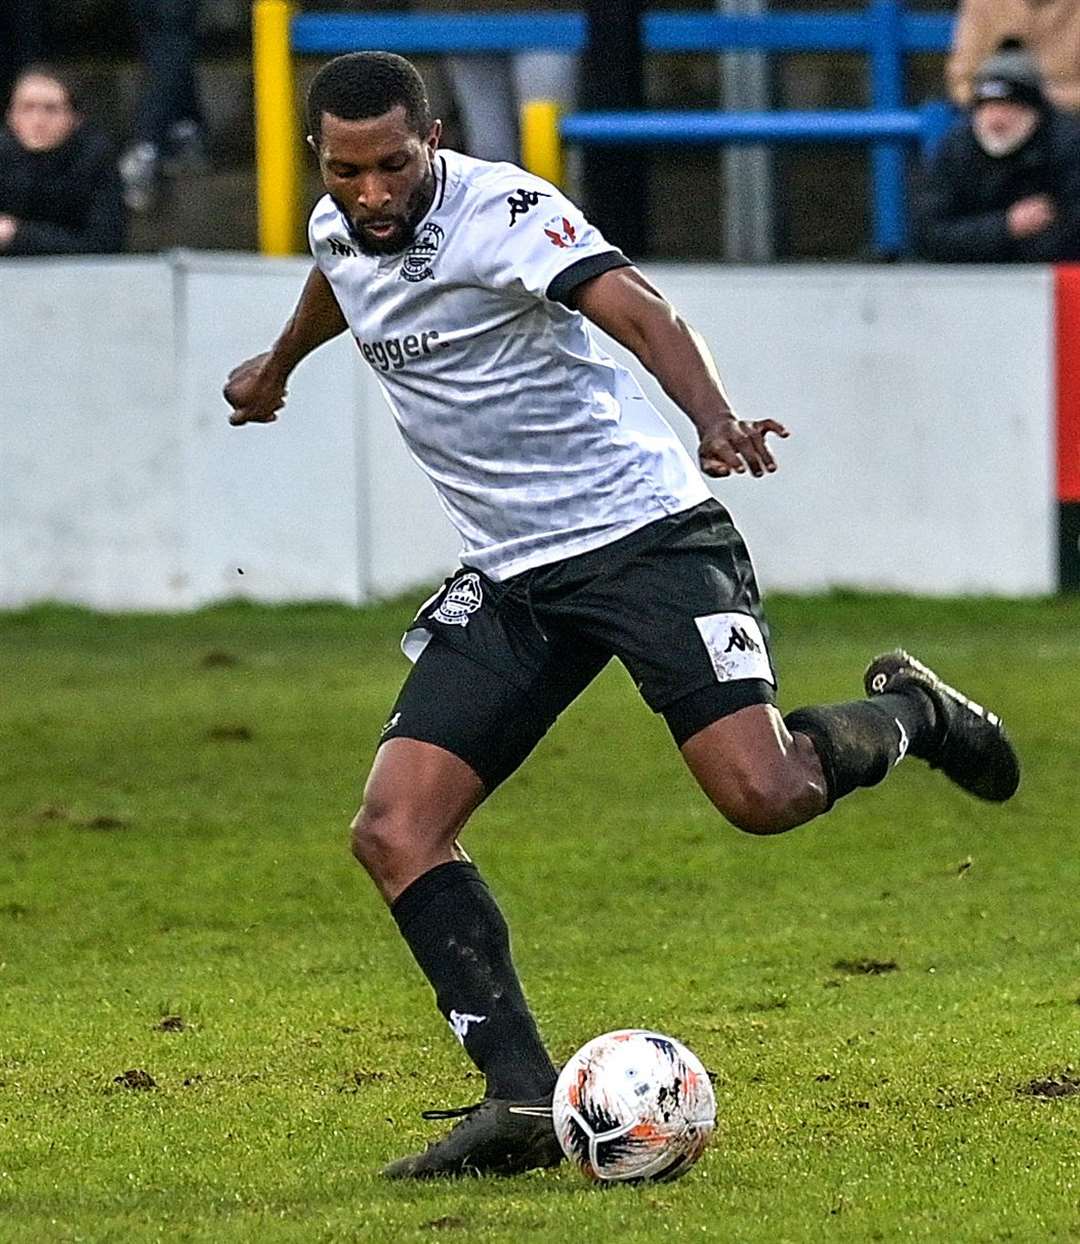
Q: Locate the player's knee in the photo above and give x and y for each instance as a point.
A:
(389, 837)
(377, 836)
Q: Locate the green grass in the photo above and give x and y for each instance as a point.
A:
(173, 843)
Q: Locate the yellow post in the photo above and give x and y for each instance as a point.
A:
(277, 137)
(541, 147)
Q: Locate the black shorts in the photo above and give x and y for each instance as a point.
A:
(675, 601)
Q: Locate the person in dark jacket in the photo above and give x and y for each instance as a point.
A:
(1005, 184)
(60, 192)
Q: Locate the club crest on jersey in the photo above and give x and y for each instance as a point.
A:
(561, 233)
(416, 266)
(463, 597)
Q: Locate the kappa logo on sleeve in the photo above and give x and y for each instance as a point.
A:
(463, 597)
(522, 201)
(340, 247)
(736, 647)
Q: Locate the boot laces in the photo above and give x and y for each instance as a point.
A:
(457, 1112)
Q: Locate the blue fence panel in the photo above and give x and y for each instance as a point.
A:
(688, 128)
(786, 32)
(927, 32)
(663, 31)
(328, 34)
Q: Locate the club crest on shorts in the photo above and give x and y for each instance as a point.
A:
(463, 597)
(736, 646)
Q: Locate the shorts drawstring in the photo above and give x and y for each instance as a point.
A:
(515, 592)
(532, 611)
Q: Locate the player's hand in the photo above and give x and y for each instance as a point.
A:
(733, 445)
(255, 390)
(1030, 216)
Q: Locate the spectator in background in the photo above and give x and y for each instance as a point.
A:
(169, 132)
(489, 90)
(1050, 28)
(1005, 184)
(60, 193)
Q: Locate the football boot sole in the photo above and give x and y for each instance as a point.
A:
(495, 1137)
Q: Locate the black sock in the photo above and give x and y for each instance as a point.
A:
(459, 938)
(859, 743)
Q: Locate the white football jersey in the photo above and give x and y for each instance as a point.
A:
(539, 445)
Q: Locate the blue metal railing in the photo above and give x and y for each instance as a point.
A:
(885, 33)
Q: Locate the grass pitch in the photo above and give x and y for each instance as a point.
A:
(210, 1031)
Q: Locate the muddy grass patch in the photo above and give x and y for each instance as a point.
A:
(1064, 1085)
(866, 967)
(104, 821)
(136, 1080)
(229, 734)
(779, 1003)
(218, 659)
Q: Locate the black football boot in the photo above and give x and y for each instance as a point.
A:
(971, 746)
(494, 1137)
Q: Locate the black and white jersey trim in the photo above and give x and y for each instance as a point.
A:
(442, 188)
(563, 285)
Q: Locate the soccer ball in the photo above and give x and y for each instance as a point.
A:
(634, 1105)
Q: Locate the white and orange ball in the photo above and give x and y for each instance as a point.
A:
(634, 1105)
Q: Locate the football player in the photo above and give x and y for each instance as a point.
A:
(472, 289)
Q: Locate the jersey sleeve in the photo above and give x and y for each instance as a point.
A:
(531, 239)
(322, 222)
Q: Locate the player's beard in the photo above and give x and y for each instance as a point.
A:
(399, 240)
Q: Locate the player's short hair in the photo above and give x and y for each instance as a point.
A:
(367, 84)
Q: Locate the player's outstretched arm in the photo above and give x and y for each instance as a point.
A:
(628, 308)
(256, 389)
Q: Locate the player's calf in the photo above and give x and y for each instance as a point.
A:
(775, 798)
(768, 774)
(757, 775)
(860, 743)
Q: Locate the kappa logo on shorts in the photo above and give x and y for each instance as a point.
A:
(739, 641)
(463, 597)
(736, 647)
